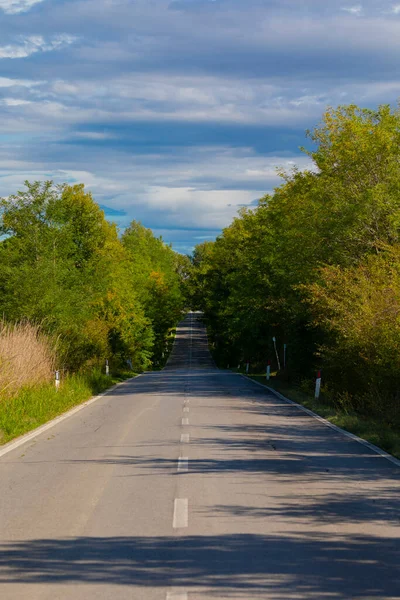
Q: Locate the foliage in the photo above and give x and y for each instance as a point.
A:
(315, 265)
(358, 308)
(158, 273)
(64, 266)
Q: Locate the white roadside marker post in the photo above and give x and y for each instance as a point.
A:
(57, 379)
(107, 367)
(276, 353)
(247, 368)
(318, 385)
(268, 370)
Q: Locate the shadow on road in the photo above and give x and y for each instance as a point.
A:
(313, 566)
(248, 436)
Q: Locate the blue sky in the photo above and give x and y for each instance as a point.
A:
(178, 112)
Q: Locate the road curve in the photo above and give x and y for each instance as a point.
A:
(196, 484)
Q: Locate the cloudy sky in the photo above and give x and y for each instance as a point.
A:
(177, 112)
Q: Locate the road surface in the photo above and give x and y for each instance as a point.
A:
(196, 484)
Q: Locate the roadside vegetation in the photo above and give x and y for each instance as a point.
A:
(73, 295)
(316, 265)
(34, 405)
(27, 357)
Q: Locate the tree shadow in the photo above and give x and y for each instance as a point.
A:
(354, 507)
(312, 566)
(311, 456)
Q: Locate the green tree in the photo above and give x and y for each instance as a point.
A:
(255, 279)
(61, 261)
(156, 274)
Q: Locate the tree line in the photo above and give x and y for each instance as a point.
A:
(317, 266)
(97, 294)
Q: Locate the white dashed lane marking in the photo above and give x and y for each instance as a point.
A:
(185, 438)
(181, 509)
(185, 421)
(186, 409)
(183, 464)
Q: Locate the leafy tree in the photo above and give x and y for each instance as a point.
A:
(358, 309)
(156, 274)
(278, 268)
(61, 260)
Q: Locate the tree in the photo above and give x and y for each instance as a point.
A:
(60, 262)
(255, 280)
(156, 275)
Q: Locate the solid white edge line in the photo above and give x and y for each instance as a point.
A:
(185, 421)
(183, 464)
(39, 430)
(353, 437)
(185, 438)
(181, 509)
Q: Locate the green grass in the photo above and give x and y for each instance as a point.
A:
(372, 430)
(35, 406)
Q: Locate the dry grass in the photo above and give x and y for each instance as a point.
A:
(27, 357)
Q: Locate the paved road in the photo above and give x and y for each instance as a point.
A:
(196, 484)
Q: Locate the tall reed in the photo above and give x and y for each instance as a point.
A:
(27, 357)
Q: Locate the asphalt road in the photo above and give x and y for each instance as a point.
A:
(195, 484)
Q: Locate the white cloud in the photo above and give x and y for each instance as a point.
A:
(192, 190)
(354, 10)
(396, 9)
(366, 92)
(94, 135)
(6, 82)
(190, 207)
(35, 43)
(195, 98)
(65, 89)
(12, 7)
(14, 101)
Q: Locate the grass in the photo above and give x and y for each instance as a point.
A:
(27, 357)
(33, 406)
(377, 432)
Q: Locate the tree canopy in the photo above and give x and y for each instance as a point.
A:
(316, 263)
(64, 266)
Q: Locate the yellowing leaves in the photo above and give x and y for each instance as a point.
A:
(157, 278)
(63, 264)
(316, 264)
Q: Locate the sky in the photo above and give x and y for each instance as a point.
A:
(178, 112)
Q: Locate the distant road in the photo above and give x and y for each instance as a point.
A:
(197, 484)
